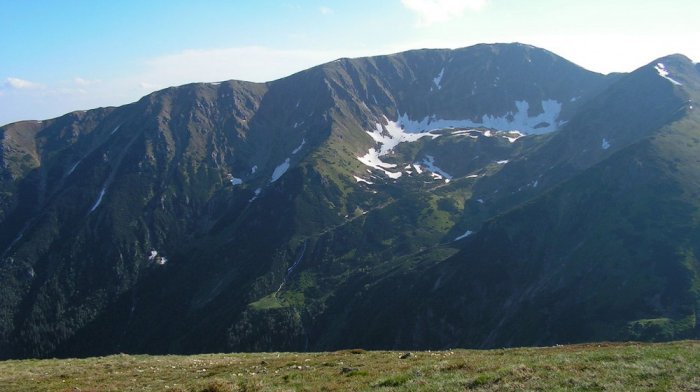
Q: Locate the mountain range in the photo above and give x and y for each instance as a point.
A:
(495, 195)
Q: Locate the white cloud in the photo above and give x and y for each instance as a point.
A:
(84, 82)
(21, 84)
(326, 10)
(148, 86)
(439, 11)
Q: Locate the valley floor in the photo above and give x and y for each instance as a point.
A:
(591, 367)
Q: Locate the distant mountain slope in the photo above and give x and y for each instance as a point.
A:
(419, 199)
(609, 254)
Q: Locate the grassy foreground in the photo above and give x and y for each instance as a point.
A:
(595, 367)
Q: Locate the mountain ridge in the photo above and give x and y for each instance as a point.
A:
(300, 213)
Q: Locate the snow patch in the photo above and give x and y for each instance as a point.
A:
(467, 132)
(234, 180)
(429, 162)
(419, 170)
(503, 162)
(280, 170)
(296, 150)
(296, 263)
(160, 260)
(661, 69)
(472, 176)
(256, 194)
(605, 144)
(99, 200)
(372, 160)
(394, 133)
(393, 176)
(388, 137)
(359, 179)
(545, 122)
(514, 135)
(253, 169)
(465, 235)
(115, 129)
(436, 176)
(438, 78)
(72, 169)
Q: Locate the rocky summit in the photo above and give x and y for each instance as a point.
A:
(490, 196)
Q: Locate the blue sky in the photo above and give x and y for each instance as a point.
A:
(59, 56)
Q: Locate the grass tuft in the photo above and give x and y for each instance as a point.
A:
(394, 381)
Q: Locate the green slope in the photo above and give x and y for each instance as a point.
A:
(318, 260)
(607, 254)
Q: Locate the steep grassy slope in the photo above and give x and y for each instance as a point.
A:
(609, 253)
(238, 216)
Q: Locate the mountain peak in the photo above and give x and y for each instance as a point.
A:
(677, 69)
(302, 213)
